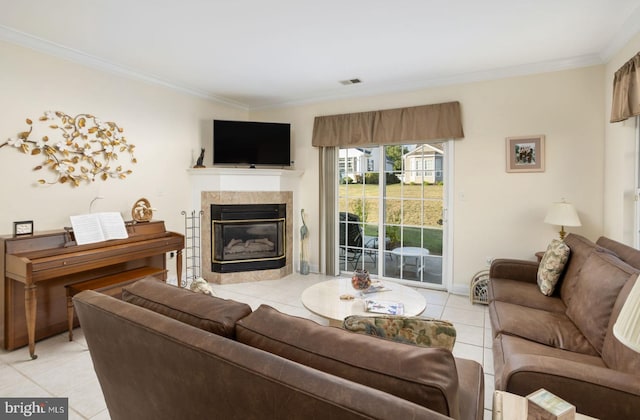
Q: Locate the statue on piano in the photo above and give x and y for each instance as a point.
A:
(142, 211)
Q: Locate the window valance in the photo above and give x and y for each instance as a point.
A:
(389, 126)
(626, 91)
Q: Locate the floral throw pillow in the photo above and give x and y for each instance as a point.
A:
(552, 265)
(423, 332)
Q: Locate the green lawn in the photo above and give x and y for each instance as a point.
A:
(419, 206)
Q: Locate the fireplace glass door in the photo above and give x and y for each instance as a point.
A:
(247, 239)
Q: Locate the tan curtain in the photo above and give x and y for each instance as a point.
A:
(389, 126)
(328, 211)
(626, 91)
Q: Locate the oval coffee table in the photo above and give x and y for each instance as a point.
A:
(323, 299)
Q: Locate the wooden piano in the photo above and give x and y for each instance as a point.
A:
(38, 267)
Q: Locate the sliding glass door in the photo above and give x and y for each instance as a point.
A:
(392, 203)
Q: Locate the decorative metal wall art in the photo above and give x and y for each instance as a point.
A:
(87, 148)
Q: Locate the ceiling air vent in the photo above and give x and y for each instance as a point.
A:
(350, 82)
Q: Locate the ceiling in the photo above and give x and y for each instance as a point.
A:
(257, 54)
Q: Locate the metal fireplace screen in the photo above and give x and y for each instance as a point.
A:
(247, 237)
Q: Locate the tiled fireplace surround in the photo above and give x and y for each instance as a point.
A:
(242, 186)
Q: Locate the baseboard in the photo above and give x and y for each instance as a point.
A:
(460, 289)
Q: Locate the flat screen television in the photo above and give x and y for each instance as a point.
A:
(251, 143)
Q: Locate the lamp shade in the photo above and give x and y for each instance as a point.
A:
(627, 327)
(562, 214)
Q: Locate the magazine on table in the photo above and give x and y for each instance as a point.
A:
(384, 307)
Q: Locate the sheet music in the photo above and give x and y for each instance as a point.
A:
(98, 227)
(113, 225)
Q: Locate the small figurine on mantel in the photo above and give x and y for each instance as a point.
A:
(200, 160)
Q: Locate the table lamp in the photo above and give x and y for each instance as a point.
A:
(627, 327)
(562, 214)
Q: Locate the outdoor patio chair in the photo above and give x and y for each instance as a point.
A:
(354, 243)
(350, 238)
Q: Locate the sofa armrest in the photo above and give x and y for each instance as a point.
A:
(595, 391)
(521, 270)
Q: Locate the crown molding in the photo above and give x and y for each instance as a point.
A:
(23, 39)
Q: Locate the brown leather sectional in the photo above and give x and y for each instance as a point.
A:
(565, 343)
(168, 353)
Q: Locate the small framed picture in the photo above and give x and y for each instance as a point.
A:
(22, 228)
(525, 154)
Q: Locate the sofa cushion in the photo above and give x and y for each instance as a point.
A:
(599, 283)
(581, 248)
(426, 376)
(506, 346)
(418, 331)
(209, 313)
(549, 328)
(615, 354)
(525, 294)
(552, 266)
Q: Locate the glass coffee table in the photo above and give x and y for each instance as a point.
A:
(323, 299)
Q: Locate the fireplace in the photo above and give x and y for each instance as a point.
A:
(223, 198)
(247, 237)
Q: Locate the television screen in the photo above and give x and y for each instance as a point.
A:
(252, 143)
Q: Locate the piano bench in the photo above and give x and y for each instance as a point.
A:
(111, 285)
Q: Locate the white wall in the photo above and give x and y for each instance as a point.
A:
(166, 127)
(619, 158)
(501, 214)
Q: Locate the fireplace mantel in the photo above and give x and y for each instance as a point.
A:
(240, 179)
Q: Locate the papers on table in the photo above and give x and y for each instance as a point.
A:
(384, 307)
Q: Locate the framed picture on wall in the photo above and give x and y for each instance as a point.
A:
(525, 154)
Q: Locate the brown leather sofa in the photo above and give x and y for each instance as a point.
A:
(169, 353)
(564, 342)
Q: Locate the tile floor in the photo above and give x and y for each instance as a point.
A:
(64, 369)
